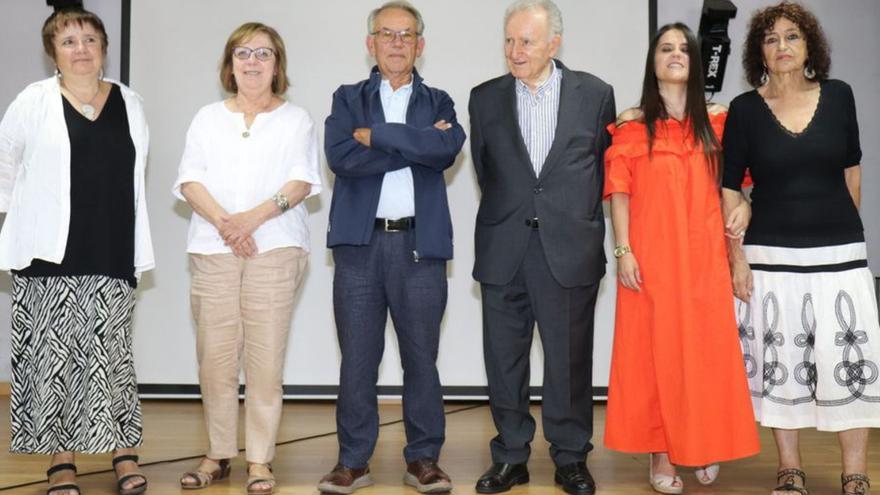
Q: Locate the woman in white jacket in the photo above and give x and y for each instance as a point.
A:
(76, 238)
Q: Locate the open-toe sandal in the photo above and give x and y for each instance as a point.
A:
(253, 481)
(786, 479)
(861, 484)
(663, 483)
(61, 487)
(201, 477)
(122, 480)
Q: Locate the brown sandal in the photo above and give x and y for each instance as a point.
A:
(788, 477)
(204, 478)
(61, 487)
(137, 489)
(862, 487)
(255, 480)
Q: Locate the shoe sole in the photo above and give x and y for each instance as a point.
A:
(363, 481)
(438, 487)
(521, 480)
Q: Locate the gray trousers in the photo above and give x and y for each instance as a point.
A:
(565, 322)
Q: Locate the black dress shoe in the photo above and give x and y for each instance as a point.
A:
(501, 477)
(575, 479)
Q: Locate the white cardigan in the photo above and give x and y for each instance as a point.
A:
(35, 177)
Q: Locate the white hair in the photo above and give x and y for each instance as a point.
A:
(554, 15)
(396, 4)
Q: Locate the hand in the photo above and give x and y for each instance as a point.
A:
(628, 272)
(442, 125)
(237, 227)
(362, 135)
(246, 248)
(738, 220)
(743, 283)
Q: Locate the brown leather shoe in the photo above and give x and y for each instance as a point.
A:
(427, 477)
(344, 479)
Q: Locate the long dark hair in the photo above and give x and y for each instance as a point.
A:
(695, 108)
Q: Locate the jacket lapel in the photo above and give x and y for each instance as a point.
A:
(510, 118)
(567, 118)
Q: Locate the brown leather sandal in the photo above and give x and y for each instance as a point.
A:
(138, 488)
(202, 478)
(862, 485)
(788, 478)
(61, 487)
(256, 480)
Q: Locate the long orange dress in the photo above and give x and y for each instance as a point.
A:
(677, 383)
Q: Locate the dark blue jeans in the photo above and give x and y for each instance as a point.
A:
(370, 281)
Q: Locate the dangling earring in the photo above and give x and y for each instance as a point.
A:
(809, 73)
(57, 72)
(765, 78)
(101, 74)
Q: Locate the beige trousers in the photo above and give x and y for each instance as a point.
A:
(242, 309)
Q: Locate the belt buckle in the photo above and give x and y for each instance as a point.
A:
(388, 227)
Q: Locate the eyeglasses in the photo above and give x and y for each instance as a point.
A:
(388, 36)
(263, 54)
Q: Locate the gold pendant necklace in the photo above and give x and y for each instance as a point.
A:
(245, 113)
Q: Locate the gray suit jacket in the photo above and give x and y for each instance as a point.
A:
(566, 197)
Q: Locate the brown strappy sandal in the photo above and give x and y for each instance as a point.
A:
(61, 487)
(121, 480)
(861, 488)
(203, 478)
(788, 477)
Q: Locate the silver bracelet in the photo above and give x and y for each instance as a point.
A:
(281, 202)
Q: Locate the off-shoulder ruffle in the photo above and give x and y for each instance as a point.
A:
(630, 140)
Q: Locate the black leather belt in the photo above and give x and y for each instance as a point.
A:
(398, 225)
(532, 222)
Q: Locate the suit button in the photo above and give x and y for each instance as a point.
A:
(538, 190)
(528, 222)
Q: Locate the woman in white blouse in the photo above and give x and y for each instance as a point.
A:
(249, 162)
(76, 237)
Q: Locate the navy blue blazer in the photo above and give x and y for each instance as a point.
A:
(417, 144)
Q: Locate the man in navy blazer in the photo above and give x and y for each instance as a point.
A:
(538, 140)
(388, 139)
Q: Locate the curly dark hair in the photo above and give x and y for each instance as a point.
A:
(819, 58)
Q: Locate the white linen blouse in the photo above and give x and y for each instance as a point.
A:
(243, 167)
(35, 177)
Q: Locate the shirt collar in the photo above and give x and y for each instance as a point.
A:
(548, 85)
(385, 86)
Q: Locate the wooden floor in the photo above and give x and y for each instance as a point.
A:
(307, 450)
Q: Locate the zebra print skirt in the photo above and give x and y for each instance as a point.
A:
(73, 380)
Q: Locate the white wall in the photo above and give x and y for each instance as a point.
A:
(851, 28)
(174, 59)
(176, 73)
(25, 62)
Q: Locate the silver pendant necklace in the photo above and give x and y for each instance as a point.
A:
(87, 109)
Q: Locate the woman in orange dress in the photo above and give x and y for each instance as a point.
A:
(677, 387)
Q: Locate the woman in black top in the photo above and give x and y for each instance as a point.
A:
(75, 237)
(810, 330)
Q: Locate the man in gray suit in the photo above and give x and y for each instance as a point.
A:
(538, 140)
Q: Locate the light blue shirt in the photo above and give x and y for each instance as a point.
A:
(537, 115)
(397, 199)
